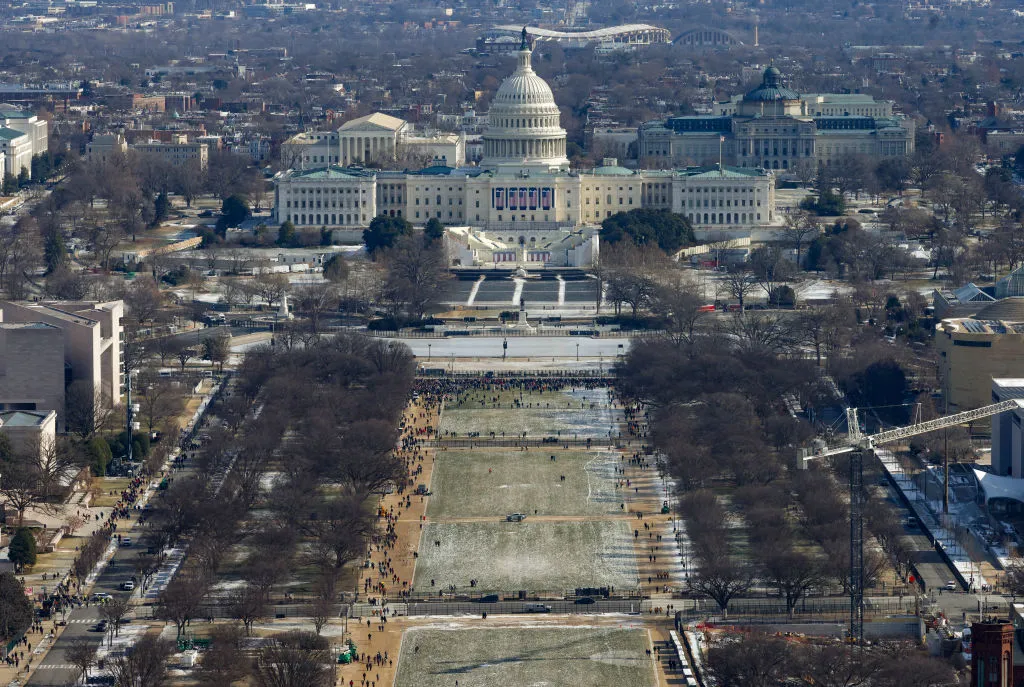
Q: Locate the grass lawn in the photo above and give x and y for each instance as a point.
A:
(479, 483)
(562, 656)
(103, 486)
(535, 556)
(568, 413)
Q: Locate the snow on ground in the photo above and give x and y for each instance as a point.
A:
(482, 483)
(565, 656)
(534, 555)
(535, 422)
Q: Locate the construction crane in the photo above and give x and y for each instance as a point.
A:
(857, 444)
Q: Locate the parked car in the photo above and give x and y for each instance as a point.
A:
(128, 585)
(585, 600)
(951, 586)
(537, 608)
(515, 517)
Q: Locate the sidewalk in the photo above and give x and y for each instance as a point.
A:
(103, 507)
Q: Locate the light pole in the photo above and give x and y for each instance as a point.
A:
(504, 348)
(577, 351)
(428, 350)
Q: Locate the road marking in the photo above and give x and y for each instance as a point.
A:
(517, 295)
(476, 289)
(56, 666)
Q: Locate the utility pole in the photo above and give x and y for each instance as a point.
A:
(128, 411)
(857, 547)
(945, 470)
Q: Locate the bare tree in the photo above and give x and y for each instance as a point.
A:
(315, 300)
(415, 272)
(184, 354)
(295, 660)
(682, 310)
(249, 605)
(271, 286)
(224, 663)
(81, 653)
(145, 665)
(181, 600)
(721, 578)
(799, 228)
(740, 282)
(755, 661)
(114, 611)
(144, 300)
(770, 268)
(158, 398)
(793, 572)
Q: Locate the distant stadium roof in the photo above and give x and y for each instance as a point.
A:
(621, 34)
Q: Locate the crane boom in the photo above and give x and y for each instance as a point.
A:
(858, 444)
(943, 422)
(856, 440)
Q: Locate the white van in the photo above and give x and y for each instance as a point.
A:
(537, 608)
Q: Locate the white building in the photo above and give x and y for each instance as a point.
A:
(775, 127)
(91, 339)
(619, 142)
(178, 152)
(333, 197)
(523, 195)
(372, 138)
(30, 430)
(310, 150)
(16, 148)
(441, 149)
(27, 123)
(104, 147)
(1007, 438)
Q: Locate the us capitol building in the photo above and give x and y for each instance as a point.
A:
(523, 204)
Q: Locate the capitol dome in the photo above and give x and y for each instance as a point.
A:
(523, 126)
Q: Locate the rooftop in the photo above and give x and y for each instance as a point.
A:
(26, 325)
(332, 172)
(726, 172)
(23, 418)
(10, 134)
(377, 119)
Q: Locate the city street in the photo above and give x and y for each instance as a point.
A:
(56, 670)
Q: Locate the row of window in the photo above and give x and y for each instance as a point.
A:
(726, 189)
(319, 219)
(437, 213)
(723, 217)
(608, 199)
(426, 201)
(509, 123)
(327, 191)
(690, 203)
(327, 204)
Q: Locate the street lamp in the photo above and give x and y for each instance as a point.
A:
(577, 351)
(428, 351)
(504, 348)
